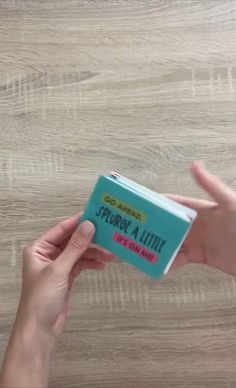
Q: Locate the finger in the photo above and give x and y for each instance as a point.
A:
(76, 246)
(62, 231)
(193, 203)
(218, 190)
(48, 252)
(180, 260)
(83, 265)
(93, 252)
(65, 242)
(98, 254)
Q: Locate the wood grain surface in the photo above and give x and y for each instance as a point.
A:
(141, 87)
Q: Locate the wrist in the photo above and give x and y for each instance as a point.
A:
(29, 335)
(28, 355)
(32, 327)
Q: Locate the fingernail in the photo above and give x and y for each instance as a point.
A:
(86, 228)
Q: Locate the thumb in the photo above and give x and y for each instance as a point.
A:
(76, 246)
(211, 184)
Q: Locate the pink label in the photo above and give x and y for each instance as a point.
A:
(134, 247)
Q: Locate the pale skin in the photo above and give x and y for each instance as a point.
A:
(51, 264)
(212, 239)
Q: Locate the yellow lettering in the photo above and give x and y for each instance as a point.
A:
(123, 207)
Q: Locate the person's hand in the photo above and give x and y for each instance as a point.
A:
(50, 266)
(212, 239)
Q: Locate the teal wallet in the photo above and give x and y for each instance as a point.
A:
(138, 225)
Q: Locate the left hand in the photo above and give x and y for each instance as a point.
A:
(50, 265)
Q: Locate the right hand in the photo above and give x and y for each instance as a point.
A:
(212, 239)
